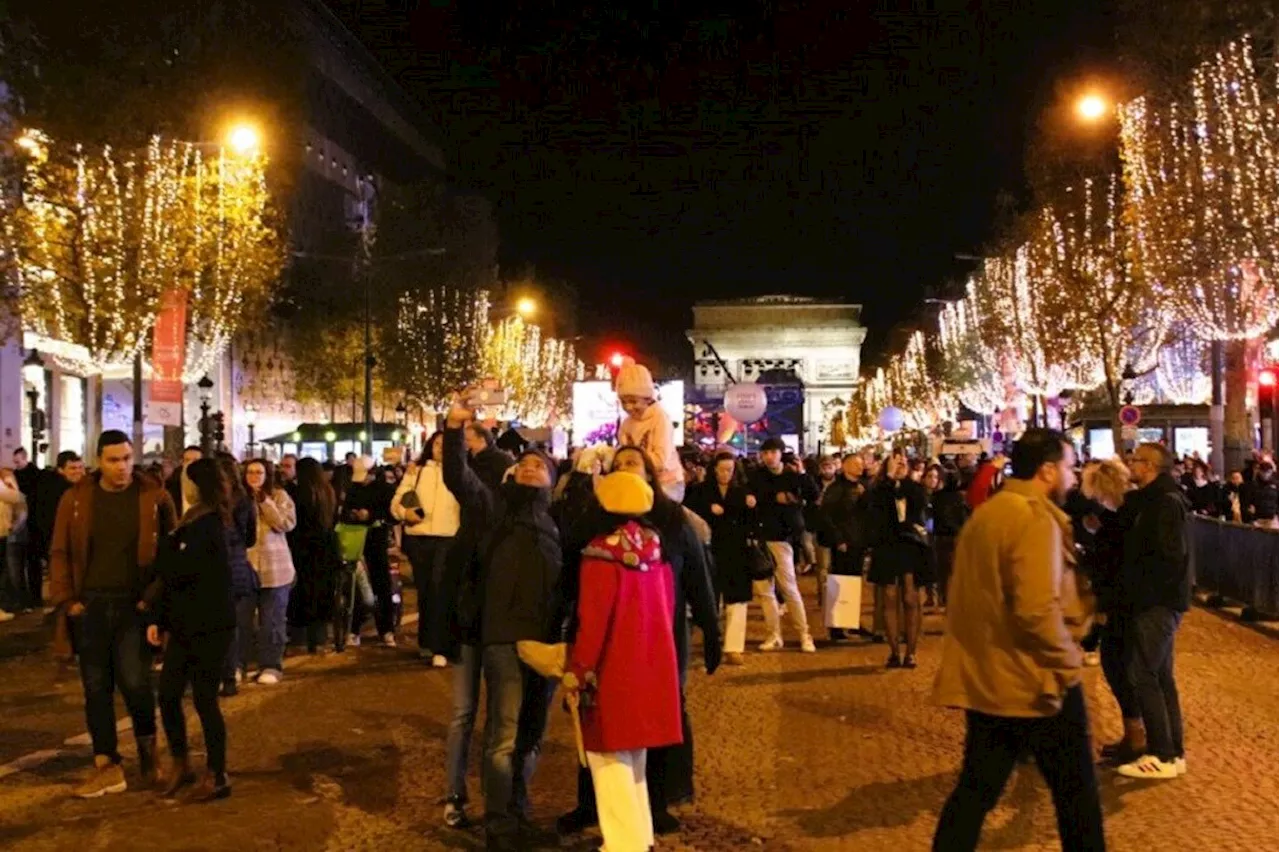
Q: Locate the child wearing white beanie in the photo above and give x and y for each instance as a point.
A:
(647, 426)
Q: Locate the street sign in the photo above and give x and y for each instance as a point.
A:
(1130, 415)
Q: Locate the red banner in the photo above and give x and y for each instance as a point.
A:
(168, 354)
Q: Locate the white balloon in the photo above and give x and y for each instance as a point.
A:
(745, 402)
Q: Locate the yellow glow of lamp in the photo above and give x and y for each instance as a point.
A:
(243, 139)
(1091, 107)
(297, 437)
(395, 437)
(526, 307)
(330, 437)
(364, 435)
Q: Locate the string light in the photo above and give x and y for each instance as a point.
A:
(970, 368)
(537, 373)
(1181, 373)
(438, 333)
(97, 237)
(1200, 191)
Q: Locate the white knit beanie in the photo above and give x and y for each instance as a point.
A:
(635, 380)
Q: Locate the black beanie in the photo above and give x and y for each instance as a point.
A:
(552, 468)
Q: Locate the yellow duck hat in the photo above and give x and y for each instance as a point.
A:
(622, 493)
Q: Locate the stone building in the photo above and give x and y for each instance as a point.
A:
(806, 351)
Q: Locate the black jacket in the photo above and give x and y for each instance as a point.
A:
(192, 594)
(950, 511)
(50, 487)
(491, 464)
(1261, 498)
(781, 522)
(242, 535)
(1157, 566)
(844, 510)
(882, 511)
(1104, 558)
(728, 535)
(510, 590)
(374, 496)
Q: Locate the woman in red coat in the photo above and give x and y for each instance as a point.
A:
(623, 658)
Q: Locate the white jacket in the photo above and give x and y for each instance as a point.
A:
(437, 502)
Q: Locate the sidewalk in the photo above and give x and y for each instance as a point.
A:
(794, 752)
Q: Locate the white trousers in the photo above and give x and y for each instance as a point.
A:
(784, 574)
(622, 800)
(735, 628)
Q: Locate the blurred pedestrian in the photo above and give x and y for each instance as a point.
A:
(1010, 657)
(316, 556)
(242, 534)
(273, 563)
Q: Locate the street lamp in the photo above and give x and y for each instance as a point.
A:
(243, 139)
(1092, 107)
(206, 395)
(33, 371)
(526, 307)
(251, 420)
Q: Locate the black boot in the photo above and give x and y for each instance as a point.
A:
(147, 761)
(576, 821)
(664, 822)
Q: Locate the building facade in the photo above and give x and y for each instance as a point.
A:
(810, 346)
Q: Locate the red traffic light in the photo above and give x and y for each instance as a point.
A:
(615, 360)
(1267, 378)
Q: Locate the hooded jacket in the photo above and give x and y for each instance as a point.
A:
(509, 590)
(1156, 567)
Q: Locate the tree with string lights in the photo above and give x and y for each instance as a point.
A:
(538, 373)
(1111, 326)
(96, 237)
(438, 343)
(970, 368)
(1200, 177)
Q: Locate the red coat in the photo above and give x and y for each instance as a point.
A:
(983, 485)
(625, 640)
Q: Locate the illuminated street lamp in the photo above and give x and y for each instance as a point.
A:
(244, 139)
(251, 421)
(33, 373)
(1092, 107)
(526, 307)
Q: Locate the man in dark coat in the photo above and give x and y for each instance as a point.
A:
(508, 593)
(1154, 593)
(488, 461)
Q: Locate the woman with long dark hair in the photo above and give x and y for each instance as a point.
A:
(723, 502)
(669, 770)
(273, 563)
(431, 517)
(899, 553)
(194, 603)
(242, 534)
(315, 555)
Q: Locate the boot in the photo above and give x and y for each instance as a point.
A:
(147, 761)
(212, 786)
(179, 776)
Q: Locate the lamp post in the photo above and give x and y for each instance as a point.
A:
(206, 394)
(251, 420)
(34, 365)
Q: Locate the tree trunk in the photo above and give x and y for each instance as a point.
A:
(1237, 436)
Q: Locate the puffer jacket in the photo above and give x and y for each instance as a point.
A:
(443, 514)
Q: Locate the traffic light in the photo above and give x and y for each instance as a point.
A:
(616, 360)
(219, 428)
(1267, 387)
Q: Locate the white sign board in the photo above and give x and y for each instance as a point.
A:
(595, 404)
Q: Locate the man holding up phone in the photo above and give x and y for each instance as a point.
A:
(509, 593)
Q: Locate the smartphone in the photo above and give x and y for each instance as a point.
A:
(490, 393)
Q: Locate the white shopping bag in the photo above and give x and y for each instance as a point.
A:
(842, 605)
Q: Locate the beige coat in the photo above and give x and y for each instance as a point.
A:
(1015, 610)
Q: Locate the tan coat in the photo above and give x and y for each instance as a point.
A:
(1015, 609)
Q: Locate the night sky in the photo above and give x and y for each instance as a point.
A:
(657, 153)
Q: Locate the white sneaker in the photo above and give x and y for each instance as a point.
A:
(807, 646)
(1181, 764)
(6, 616)
(354, 640)
(268, 678)
(388, 640)
(239, 676)
(439, 662)
(774, 644)
(1150, 767)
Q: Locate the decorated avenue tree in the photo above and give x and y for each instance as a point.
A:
(1109, 319)
(439, 342)
(1200, 193)
(538, 373)
(970, 368)
(97, 237)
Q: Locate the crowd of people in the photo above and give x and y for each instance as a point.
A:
(216, 567)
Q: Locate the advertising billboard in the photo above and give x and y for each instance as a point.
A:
(595, 406)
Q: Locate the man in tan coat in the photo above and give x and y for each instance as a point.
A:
(1011, 658)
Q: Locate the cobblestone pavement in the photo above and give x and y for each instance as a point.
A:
(794, 752)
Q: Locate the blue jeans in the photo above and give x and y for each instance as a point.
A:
(271, 629)
(466, 698)
(114, 652)
(1149, 645)
(516, 718)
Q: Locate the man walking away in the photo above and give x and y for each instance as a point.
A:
(780, 493)
(1155, 592)
(101, 555)
(509, 594)
(1010, 658)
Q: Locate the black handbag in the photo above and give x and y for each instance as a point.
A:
(760, 562)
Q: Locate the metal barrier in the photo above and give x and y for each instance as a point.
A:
(1239, 563)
